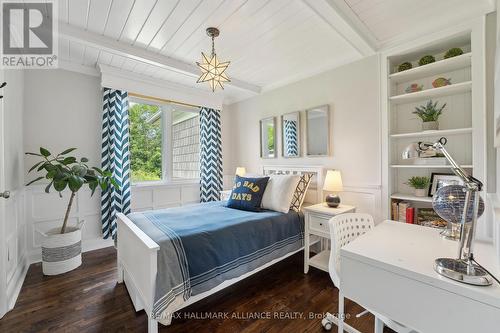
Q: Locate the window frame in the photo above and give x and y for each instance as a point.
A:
(166, 147)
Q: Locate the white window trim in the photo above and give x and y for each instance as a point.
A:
(167, 159)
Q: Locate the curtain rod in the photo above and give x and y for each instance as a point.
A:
(162, 100)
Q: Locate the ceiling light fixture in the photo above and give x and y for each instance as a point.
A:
(212, 70)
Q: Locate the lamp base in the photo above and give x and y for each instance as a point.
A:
(450, 235)
(332, 200)
(459, 270)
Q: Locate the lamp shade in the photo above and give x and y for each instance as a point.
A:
(333, 181)
(241, 171)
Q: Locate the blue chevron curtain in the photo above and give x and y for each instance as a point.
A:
(210, 155)
(115, 158)
(291, 137)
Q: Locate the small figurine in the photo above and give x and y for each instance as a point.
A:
(441, 82)
(414, 87)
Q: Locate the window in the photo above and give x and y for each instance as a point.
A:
(185, 144)
(145, 142)
(164, 141)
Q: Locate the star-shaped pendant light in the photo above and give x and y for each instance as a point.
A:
(213, 71)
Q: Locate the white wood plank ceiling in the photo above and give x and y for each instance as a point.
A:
(388, 19)
(269, 42)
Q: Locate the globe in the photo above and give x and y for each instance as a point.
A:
(449, 203)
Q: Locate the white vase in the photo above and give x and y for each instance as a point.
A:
(430, 126)
(61, 253)
(420, 192)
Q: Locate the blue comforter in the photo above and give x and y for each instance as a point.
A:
(206, 244)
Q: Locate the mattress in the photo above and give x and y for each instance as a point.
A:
(205, 244)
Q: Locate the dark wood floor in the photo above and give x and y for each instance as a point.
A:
(89, 299)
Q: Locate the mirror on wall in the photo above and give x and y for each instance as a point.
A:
(268, 137)
(290, 132)
(317, 131)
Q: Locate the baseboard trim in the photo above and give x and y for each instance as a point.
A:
(14, 288)
(87, 245)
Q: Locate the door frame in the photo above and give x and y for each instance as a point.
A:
(3, 259)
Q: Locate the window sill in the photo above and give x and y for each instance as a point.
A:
(169, 183)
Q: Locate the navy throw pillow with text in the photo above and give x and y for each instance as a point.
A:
(247, 193)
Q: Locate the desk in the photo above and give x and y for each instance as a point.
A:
(390, 270)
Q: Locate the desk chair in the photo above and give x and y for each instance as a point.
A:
(344, 228)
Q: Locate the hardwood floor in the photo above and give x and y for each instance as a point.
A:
(89, 299)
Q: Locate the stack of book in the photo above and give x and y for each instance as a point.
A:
(403, 211)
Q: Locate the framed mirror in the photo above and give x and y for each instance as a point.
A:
(318, 131)
(290, 134)
(268, 138)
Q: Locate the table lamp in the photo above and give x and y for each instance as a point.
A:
(463, 268)
(333, 183)
(241, 171)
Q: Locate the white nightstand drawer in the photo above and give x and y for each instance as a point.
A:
(317, 223)
(317, 231)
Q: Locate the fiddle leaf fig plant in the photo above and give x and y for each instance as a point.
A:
(63, 171)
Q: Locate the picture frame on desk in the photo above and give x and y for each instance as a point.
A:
(439, 180)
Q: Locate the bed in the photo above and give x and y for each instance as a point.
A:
(174, 257)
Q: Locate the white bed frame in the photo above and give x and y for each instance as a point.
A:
(137, 253)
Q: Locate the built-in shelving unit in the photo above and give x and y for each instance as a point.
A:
(462, 121)
(436, 133)
(427, 166)
(410, 197)
(441, 66)
(432, 93)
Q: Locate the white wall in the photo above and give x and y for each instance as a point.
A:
(352, 92)
(63, 109)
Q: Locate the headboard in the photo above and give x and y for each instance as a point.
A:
(314, 193)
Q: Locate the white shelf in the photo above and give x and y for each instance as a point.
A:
(452, 89)
(320, 260)
(424, 166)
(441, 66)
(453, 131)
(410, 197)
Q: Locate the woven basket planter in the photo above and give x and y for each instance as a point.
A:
(61, 253)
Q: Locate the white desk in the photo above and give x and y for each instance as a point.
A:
(390, 270)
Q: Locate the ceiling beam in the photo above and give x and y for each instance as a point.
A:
(340, 18)
(113, 46)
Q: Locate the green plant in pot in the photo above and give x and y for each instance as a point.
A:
(61, 247)
(429, 114)
(453, 52)
(420, 185)
(427, 59)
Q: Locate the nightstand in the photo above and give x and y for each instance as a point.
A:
(224, 195)
(317, 229)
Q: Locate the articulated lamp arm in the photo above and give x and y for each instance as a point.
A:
(469, 181)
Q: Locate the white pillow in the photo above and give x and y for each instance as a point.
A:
(279, 192)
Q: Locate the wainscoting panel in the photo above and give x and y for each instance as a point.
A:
(367, 199)
(158, 196)
(46, 211)
(15, 243)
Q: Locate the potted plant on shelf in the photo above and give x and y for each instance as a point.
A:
(61, 247)
(420, 185)
(429, 114)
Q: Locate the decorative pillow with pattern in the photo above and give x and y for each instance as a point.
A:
(300, 191)
(247, 193)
